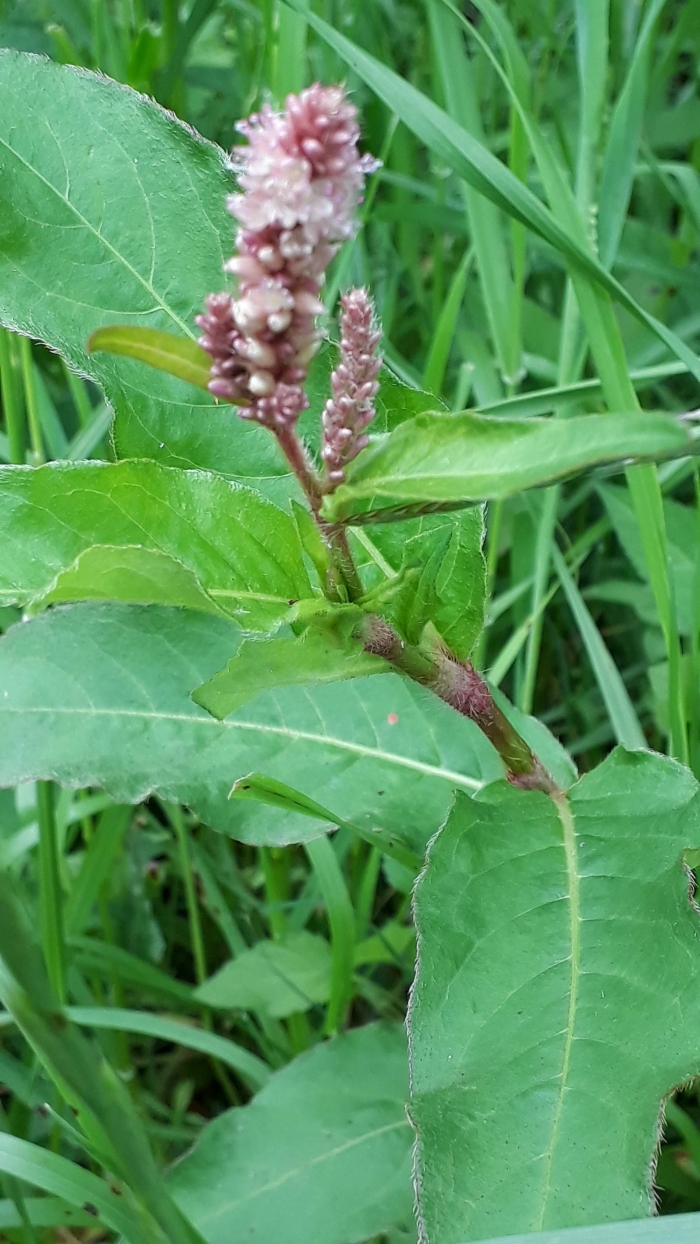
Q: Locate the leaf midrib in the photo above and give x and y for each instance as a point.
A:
(360, 749)
(301, 1170)
(574, 906)
(147, 285)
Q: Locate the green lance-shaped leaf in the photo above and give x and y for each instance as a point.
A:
(323, 1153)
(439, 461)
(556, 1002)
(140, 532)
(314, 657)
(99, 694)
(178, 356)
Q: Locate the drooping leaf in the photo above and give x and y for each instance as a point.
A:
(277, 978)
(440, 461)
(556, 1003)
(276, 794)
(252, 1069)
(682, 539)
(171, 537)
(314, 657)
(178, 356)
(99, 695)
(323, 1153)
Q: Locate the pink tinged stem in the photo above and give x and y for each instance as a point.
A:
(460, 686)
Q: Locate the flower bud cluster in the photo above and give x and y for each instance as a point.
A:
(301, 178)
(354, 382)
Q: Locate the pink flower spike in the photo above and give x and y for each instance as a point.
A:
(300, 180)
(355, 386)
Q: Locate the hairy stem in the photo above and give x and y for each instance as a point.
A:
(460, 686)
(335, 537)
(456, 682)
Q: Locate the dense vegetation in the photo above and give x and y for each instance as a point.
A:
(208, 944)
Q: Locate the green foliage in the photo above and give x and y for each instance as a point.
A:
(178, 356)
(311, 658)
(274, 978)
(101, 694)
(323, 1151)
(203, 649)
(137, 531)
(440, 461)
(439, 576)
(531, 1034)
(105, 146)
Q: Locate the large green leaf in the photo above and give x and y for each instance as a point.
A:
(322, 1154)
(99, 694)
(113, 212)
(171, 537)
(438, 461)
(674, 1229)
(557, 999)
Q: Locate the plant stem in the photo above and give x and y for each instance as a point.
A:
(11, 401)
(341, 917)
(35, 439)
(459, 685)
(334, 536)
(50, 905)
(193, 916)
(456, 682)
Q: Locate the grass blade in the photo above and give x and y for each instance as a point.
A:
(482, 170)
(621, 711)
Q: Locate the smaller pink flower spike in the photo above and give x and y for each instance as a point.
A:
(355, 386)
(301, 179)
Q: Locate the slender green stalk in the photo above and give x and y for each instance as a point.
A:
(367, 891)
(171, 25)
(193, 914)
(11, 399)
(50, 896)
(341, 917)
(694, 725)
(645, 490)
(30, 396)
(275, 865)
(79, 393)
